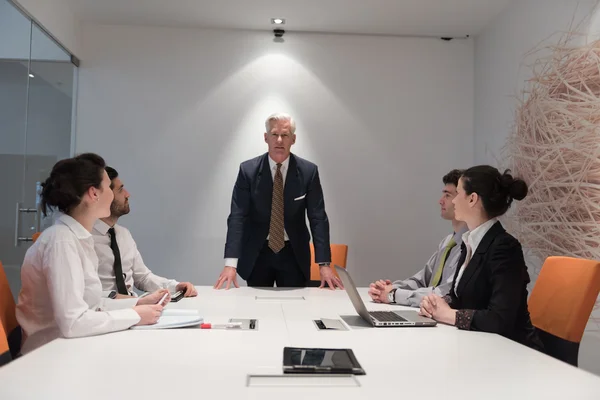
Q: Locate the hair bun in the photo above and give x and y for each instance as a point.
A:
(516, 188)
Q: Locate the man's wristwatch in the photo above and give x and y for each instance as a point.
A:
(324, 264)
(392, 296)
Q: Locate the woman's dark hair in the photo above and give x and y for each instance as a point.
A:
(496, 190)
(69, 180)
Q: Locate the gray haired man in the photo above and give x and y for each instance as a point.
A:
(267, 237)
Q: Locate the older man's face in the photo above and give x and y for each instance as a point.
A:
(280, 140)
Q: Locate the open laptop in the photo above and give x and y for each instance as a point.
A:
(380, 318)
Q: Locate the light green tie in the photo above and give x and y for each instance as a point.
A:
(438, 274)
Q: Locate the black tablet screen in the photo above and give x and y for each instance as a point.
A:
(321, 358)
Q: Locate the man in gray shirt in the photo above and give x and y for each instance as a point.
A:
(437, 275)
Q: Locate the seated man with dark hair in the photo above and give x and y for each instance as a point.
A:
(120, 264)
(437, 275)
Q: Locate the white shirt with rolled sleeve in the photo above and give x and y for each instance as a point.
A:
(137, 274)
(61, 293)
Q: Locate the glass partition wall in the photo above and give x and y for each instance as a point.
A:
(38, 85)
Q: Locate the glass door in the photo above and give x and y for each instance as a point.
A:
(50, 122)
(15, 43)
(38, 83)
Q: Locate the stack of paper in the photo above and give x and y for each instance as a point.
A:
(175, 318)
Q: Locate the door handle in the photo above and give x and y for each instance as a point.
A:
(19, 210)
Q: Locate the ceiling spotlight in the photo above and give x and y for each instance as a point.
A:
(278, 21)
(31, 75)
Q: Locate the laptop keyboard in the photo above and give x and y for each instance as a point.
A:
(386, 316)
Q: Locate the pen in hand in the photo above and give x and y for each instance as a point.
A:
(163, 298)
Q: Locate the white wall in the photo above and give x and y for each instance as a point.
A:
(501, 72)
(176, 111)
(58, 18)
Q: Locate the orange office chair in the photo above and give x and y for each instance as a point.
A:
(35, 236)
(5, 356)
(10, 328)
(561, 303)
(339, 255)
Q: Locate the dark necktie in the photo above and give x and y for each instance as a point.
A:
(461, 261)
(118, 268)
(276, 227)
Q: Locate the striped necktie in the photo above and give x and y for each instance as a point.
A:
(276, 226)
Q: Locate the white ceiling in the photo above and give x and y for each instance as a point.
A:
(389, 17)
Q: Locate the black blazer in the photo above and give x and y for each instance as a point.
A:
(492, 292)
(248, 222)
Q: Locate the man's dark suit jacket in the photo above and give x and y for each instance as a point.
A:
(248, 222)
(492, 292)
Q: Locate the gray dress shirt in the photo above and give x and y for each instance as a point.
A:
(411, 291)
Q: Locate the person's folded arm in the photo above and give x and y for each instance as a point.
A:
(66, 286)
(414, 297)
(418, 280)
(145, 279)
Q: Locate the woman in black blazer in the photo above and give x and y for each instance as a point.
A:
(489, 293)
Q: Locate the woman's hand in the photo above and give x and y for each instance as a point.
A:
(434, 306)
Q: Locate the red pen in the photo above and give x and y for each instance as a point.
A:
(229, 325)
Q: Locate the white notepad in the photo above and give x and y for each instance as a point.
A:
(175, 318)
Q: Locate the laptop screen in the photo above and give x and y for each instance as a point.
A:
(357, 302)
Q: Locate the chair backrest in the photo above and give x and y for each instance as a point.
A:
(339, 255)
(35, 236)
(562, 300)
(5, 356)
(11, 329)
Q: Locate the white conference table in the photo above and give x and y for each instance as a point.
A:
(190, 363)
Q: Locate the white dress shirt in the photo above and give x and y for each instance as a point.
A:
(136, 272)
(61, 293)
(471, 239)
(232, 262)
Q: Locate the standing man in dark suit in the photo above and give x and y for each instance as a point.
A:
(267, 236)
